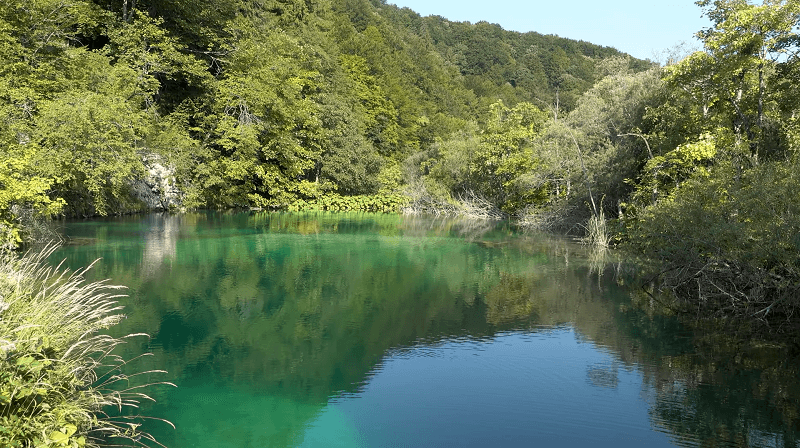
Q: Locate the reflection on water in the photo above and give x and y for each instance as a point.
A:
(364, 330)
(603, 375)
(159, 242)
(515, 389)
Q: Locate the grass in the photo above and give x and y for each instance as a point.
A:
(51, 353)
(597, 233)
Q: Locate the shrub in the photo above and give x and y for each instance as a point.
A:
(729, 243)
(57, 371)
(387, 203)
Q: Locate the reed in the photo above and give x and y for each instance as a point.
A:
(597, 233)
(60, 380)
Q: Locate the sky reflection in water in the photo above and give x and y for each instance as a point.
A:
(546, 388)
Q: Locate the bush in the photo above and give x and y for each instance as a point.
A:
(53, 391)
(387, 203)
(729, 242)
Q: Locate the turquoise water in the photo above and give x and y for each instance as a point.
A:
(366, 330)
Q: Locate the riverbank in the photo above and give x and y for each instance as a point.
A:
(726, 260)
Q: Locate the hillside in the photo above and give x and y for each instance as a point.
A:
(249, 103)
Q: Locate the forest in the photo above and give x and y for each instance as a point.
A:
(118, 106)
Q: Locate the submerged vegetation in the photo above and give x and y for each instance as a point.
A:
(60, 383)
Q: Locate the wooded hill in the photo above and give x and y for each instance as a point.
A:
(249, 103)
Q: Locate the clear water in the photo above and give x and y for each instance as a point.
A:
(361, 330)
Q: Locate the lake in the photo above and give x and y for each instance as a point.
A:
(370, 330)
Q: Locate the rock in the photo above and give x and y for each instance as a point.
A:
(157, 189)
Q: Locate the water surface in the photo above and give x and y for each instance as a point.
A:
(367, 330)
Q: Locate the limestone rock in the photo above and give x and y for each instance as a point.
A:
(157, 188)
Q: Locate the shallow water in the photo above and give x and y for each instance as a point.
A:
(365, 330)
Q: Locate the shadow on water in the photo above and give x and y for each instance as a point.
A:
(265, 319)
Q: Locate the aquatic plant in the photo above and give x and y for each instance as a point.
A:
(597, 232)
(389, 203)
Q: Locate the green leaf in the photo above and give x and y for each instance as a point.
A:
(59, 437)
(25, 360)
(69, 429)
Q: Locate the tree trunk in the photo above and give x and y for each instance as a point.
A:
(127, 13)
(586, 176)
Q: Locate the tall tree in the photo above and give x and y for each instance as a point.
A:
(743, 49)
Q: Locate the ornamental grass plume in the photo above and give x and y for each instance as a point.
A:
(59, 378)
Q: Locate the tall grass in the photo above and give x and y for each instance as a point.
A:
(58, 374)
(597, 233)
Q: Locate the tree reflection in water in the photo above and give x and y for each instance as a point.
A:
(299, 308)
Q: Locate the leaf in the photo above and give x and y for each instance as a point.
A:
(59, 437)
(69, 429)
(25, 360)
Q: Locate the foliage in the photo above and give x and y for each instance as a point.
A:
(379, 114)
(505, 153)
(748, 51)
(544, 70)
(663, 173)
(719, 210)
(89, 150)
(489, 165)
(266, 133)
(267, 103)
(388, 203)
(19, 188)
(58, 375)
(730, 242)
(596, 150)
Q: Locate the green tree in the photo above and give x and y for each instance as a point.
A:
(744, 49)
(506, 153)
(607, 131)
(143, 44)
(267, 135)
(91, 144)
(378, 112)
(21, 187)
(721, 207)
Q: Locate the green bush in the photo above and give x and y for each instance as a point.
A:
(387, 203)
(729, 241)
(57, 372)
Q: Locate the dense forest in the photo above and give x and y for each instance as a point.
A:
(228, 103)
(116, 106)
